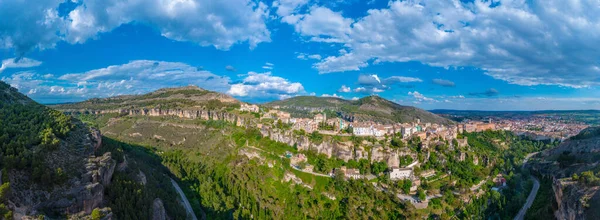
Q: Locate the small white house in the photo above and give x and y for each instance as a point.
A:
(400, 173)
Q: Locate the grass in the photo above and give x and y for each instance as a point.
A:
(317, 182)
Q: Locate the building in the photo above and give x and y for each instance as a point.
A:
(351, 173)
(397, 173)
(298, 158)
(319, 118)
(249, 108)
(421, 135)
(499, 180)
(308, 168)
(363, 130)
(407, 131)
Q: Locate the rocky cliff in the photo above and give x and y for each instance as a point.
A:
(343, 150)
(78, 196)
(567, 195)
(575, 200)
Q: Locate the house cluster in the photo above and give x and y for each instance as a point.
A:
(476, 126)
(249, 108)
(336, 125)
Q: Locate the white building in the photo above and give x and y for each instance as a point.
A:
(363, 130)
(400, 173)
(249, 108)
(407, 131)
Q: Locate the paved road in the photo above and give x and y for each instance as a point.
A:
(186, 203)
(532, 194)
(530, 198)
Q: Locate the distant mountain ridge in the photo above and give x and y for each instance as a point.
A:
(370, 108)
(178, 97)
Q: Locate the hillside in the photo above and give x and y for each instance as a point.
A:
(180, 97)
(372, 108)
(55, 167)
(574, 173)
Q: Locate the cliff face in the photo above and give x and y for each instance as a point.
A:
(568, 197)
(331, 148)
(575, 200)
(182, 113)
(79, 195)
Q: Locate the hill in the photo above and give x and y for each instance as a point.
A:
(180, 97)
(573, 172)
(55, 167)
(372, 108)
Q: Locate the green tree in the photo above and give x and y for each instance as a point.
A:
(421, 194)
(96, 215)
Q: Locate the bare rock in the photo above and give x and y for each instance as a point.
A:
(158, 210)
(142, 178)
(96, 137)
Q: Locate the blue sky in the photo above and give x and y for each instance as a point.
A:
(481, 55)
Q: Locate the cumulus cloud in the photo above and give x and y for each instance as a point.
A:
(266, 85)
(321, 24)
(18, 63)
(135, 77)
(344, 88)
(521, 42)
(443, 82)
(420, 97)
(332, 96)
(206, 22)
(287, 7)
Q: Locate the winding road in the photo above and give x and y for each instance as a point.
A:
(186, 203)
(532, 194)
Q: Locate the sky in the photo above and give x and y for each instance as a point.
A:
(433, 54)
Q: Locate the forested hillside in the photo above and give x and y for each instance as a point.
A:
(53, 166)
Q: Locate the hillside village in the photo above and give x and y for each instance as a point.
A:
(411, 172)
(414, 160)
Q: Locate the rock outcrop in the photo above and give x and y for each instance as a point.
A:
(158, 210)
(567, 195)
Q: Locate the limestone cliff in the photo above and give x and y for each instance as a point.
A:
(78, 195)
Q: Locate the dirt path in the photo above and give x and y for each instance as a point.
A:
(186, 203)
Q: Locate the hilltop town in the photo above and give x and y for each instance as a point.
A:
(416, 156)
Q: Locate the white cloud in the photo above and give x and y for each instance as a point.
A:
(20, 63)
(550, 42)
(287, 7)
(371, 83)
(230, 68)
(304, 56)
(268, 66)
(321, 24)
(315, 56)
(402, 79)
(420, 97)
(206, 22)
(360, 89)
(333, 96)
(135, 77)
(355, 98)
(265, 85)
(344, 88)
